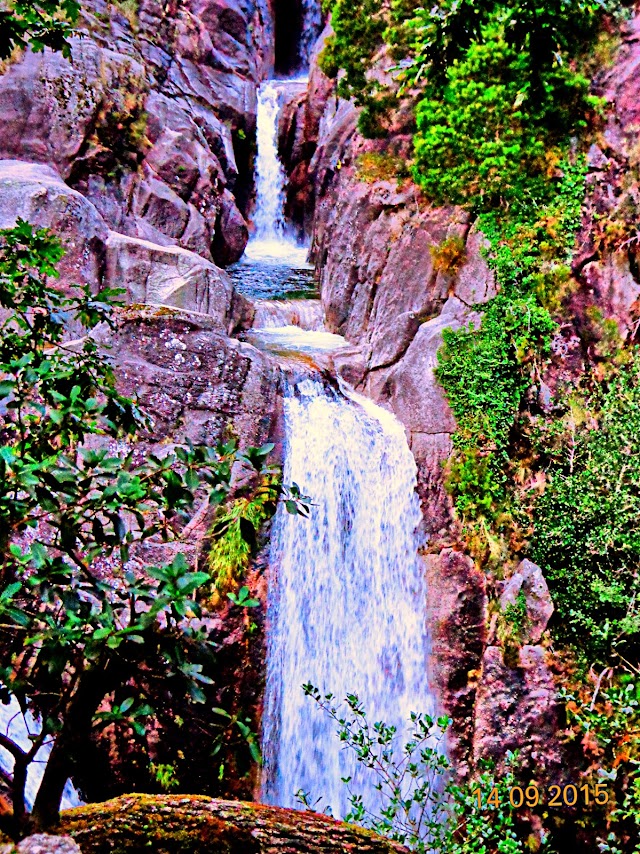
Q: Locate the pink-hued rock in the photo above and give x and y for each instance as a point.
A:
(529, 579)
(44, 843)
(231, 232)
(193, 380)
(373, 246)
(298, 131)
(140, 118)
(168, 275)
(606, 265)
(148, 272)
(517, 708)
(456, 617)
(37, 193)
(615, 290)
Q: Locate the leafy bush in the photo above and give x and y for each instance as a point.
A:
(603, 716)
(422, 808)
(587, 538)
(37, 24)
(234, 532)
(485, 373)
(488, 130)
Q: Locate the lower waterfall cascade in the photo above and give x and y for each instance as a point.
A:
(347, 593)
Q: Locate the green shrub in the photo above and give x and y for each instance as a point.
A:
(420, 808)
(234, 531)
(587, 537)
(485, 371)
(488, 130)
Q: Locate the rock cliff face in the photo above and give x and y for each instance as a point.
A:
(149, 118)
(375, 245)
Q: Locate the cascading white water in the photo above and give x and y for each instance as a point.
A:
(307, 314)
(19, 727)
(270, 175)
(347, 592)
(270, 241)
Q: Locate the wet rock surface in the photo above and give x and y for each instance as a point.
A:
(182, 824)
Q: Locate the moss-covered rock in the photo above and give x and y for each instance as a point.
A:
(184, 824)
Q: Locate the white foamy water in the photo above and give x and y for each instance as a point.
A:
(270, 175)
(307, 314)
(293, 339)
(18, 727)
(347, 594)
(270, 242)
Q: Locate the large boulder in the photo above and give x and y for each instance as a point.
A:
(168, 275)
(193, 380)
(37, 193)
(182, 824)
(94, 255)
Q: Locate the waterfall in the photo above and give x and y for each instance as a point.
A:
(270, 242)
(270, 175)
(347, 594)
(307, 314)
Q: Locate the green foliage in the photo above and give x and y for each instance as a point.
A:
(409, 776)
(37, 24)
(587, 538)
(165, 775)
(488, 131)
(493, 827)
(242, 599)
(485, 372)
(358, 28)
(375, 166)
(234, 531)
(603, 717)
(421, 810)
(77, 624)
(516, 613)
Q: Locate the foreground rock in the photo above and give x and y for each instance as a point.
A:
(517, 708)
(42, 843)
(185, 824)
